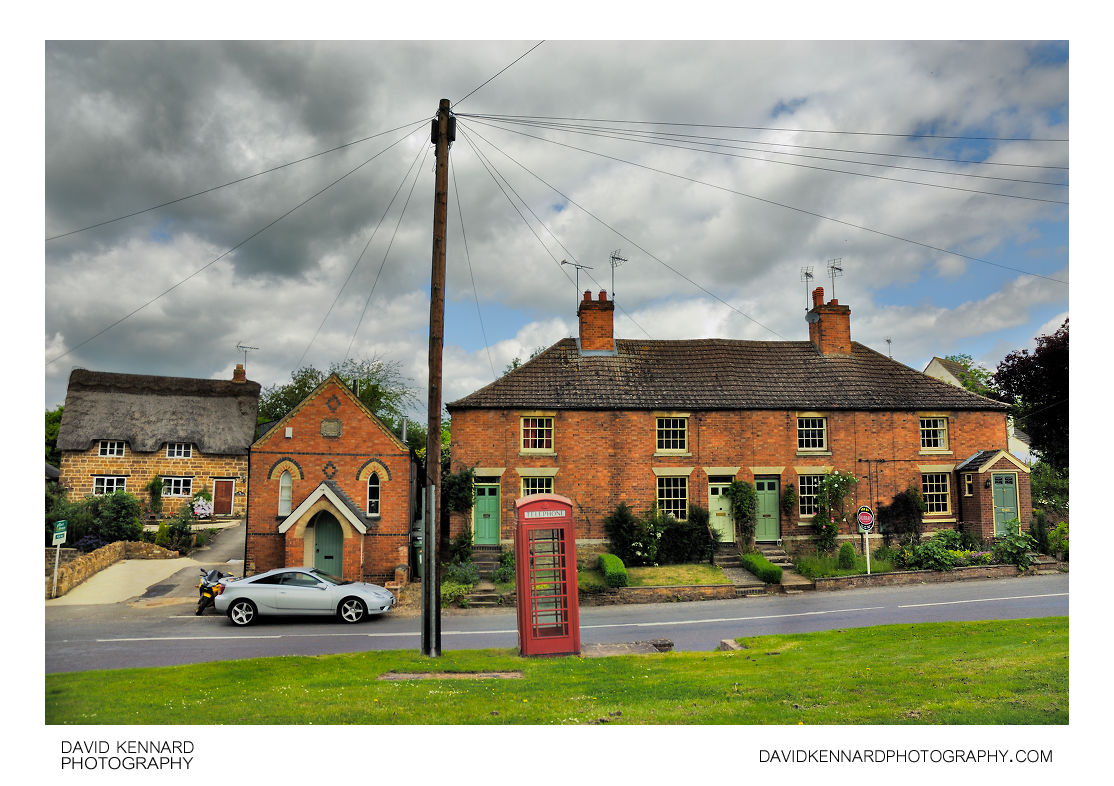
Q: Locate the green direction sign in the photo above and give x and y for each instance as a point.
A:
(59, 533)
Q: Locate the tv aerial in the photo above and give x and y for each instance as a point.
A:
(616, 261)
(806, 276)
(245, 350)
(578, 269)
(835, 269)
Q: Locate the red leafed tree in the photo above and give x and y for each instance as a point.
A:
(1036, 385)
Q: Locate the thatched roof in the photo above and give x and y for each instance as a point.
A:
(712, 374)
(218, 416)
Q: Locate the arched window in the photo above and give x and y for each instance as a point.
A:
(373, 494)
(285, 486)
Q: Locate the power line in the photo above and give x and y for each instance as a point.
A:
(352, 270)
(528, 51)
(233, 182)
(774, 128)
(836, 171)
(217, 259)
(786, 207)
(571, 201)
(471, 275)
(663, 140)
(676, 135)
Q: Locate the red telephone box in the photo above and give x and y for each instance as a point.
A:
(545, 556)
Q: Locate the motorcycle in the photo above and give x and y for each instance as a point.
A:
(211, 585)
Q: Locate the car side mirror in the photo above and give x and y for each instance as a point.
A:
(322, 585)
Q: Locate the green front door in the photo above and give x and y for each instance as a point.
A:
(485, 514)
(768, 524)
(1005, 502)
(328, 545)
(719, 509)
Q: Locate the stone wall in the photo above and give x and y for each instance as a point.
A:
(904, 577)
(65, 557)
(81, 568)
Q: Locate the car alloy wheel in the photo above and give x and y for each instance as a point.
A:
(352, 610)
(242, 612)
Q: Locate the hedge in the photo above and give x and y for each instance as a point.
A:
(613, 570)
(762, 568)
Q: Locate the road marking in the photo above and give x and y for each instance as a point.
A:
(983, 600)
(184, 638)
(730, 619)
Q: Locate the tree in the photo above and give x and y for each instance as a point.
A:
(53, 421)
(975, 378)
(1036, 386)
(517, 360)
(379, 384)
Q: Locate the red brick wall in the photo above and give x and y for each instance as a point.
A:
(604, 458)
(371, 557)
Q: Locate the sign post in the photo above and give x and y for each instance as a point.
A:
(59, 539)
(865, 517)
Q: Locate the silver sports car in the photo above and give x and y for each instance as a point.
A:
(292, 591)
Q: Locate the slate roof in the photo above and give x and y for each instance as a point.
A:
(218, 416)
(715, 374)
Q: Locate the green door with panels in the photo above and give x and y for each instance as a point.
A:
(719, 509)
(768, 520)
(1005, 502)
(485, 515)
(328, 543)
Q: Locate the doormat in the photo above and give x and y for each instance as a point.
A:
(452, 675)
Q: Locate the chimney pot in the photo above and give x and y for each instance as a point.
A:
(587, 296)
(603, 295)
(818, 296)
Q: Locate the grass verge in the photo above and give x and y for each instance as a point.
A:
(995, 672)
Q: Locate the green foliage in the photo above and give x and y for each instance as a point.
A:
(825, 533)
(1015, 548)
(902, 521)
(458, 490)
(1058, 539)
(1049, 488)
(831, 513)
(162, 536)
(154, 495)
(379, 384)
(201, 493)
(460, 546)
(846, 557)
(505, 572)
(1036, 385)
(933, 555)
(462, 573)
(691, 540)
(814, 566)
(744, 508)
(762, 567)
(975, 378)
(957, 539)
(634, 539)
(452, 592)
(77, 515)
(53, 421)
(180, 531)
(1038, 531)
(115, 516)
(789, 500)
(614, 571)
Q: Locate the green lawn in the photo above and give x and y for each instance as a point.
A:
(998, 672)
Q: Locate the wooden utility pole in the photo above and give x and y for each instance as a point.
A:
(444, 127)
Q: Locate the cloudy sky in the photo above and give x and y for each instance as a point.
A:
(935, 172)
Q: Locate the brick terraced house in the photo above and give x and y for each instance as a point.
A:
(331, 487)
(604, 421)
(120, 430)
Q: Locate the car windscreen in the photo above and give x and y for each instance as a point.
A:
(328, 577)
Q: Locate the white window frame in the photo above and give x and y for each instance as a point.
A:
(101, 483)
(934, 428)
(543, 424)
(286, 487)
(373, 500)
(810, 428)
(537, 484)
(184, 487)
(111, 447)
(670, 490)
(936, 496)
(672, 434)
(802, 496)
(179, 450)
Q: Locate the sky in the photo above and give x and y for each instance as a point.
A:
(934, 173)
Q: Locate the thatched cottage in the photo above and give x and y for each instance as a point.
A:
(120, 430)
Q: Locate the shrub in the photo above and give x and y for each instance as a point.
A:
(613, 570)
(162, 537)
(744, 508)
(115, 516)
(903, 519)
(505, 572)
(687, 541)
(1058, 539)
(824, 533)
(762, 567)
(89, 543)
(154, 493)
(1015, 548)
(458, 490)
(789, 500)
(460, 546)
(846, 557)
(621, 526)
(462, 573)
(933, 555)
(1038, 531)
(452, 592)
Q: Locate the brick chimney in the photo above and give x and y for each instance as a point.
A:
(238, 374)
(829, 325)
(597, 323)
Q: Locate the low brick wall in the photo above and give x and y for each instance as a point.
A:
(623, 595)
(65, 557)
(903, 577)
(81, 568)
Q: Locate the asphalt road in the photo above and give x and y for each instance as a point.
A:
(123, 635)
